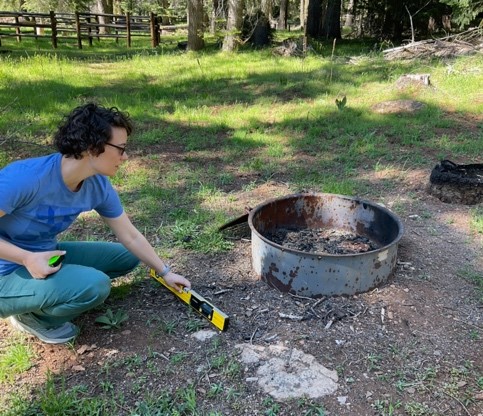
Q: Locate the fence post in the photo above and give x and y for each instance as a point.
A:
(78, 30)
(98, 29)
(116, 31)
(158, 29)
(89, 30)
(17, 29)
(53, 26)
(35, 27)
(152, 27)
(128, 29)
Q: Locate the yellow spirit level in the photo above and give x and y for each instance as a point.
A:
(197, 302)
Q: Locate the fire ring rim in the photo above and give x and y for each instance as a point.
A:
(260, 206)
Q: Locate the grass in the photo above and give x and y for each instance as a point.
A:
(475, 277)
(476, 222)
(211, 127)
(15, 358)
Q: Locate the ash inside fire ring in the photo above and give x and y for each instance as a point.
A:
(322, 241)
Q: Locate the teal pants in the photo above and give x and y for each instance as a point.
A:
(82, 283)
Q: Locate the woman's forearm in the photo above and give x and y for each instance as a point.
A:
(37, 263)
(11, 252)
(138, 245)
(141, 248)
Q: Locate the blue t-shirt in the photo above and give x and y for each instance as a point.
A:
(38, 205)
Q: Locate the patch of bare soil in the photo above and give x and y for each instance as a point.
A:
(412, 346)
(397, 106)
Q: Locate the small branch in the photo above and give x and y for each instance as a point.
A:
(253, 335)
(411, 23)
(411, 18)
(290, 316)
(220, 292)
(462, 405)
(421, 8)
(312, 309)
(5, 107)
(332, 60)
(299, 297)
(318, 301)
(158, 354)
(468, 323)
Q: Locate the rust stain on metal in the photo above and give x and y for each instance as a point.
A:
(270, 278)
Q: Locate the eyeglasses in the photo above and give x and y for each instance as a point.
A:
(121, 149)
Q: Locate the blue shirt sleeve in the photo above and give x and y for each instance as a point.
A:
(111, 206)
(20, 193)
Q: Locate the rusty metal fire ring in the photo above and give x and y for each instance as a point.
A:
(320, 274)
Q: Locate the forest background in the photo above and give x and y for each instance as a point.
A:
(387, 21)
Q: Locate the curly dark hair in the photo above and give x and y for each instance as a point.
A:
(88, 128)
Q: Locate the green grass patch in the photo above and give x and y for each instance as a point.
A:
(250, 114)
(476, 221)
(15, 358)
(474, 277)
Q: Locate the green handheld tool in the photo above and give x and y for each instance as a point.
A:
(56, 260)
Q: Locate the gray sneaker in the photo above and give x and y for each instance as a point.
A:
(60, 335)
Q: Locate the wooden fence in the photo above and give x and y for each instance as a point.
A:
(81, 27)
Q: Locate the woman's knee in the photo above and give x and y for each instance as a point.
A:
(132, 261)
(126, 261)
(84, 289)
(96, 289)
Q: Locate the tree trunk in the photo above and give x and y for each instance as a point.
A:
(233, 25)
(282, 18)
(105, 7)
(331, 23)
(195, 25)
(267, 8)
(392, 27)
(361, 18)
(214, 16)
(349, 16)
(165, 19)
(303, 13)
(314, 16)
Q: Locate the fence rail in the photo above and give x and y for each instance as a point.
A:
(82, 27)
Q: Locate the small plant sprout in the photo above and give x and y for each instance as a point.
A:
(215, 389)
(111, 320)
(341, 103)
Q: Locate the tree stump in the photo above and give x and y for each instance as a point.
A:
(290, 47)
(256, 30)
(458, 184)
(413, 81)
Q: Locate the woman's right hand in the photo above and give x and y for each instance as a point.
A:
(177, 281)
(37, 263)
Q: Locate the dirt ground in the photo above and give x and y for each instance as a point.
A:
(412, 346)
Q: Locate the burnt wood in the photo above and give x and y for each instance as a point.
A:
(455, 183)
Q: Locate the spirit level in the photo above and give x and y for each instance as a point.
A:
(197, 302)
